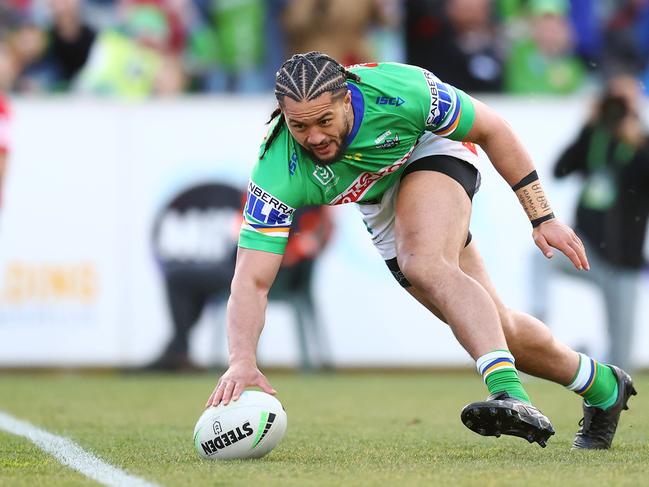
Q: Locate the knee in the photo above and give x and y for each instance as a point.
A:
(431, 276)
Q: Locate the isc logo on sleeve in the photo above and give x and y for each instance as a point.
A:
(387, 100)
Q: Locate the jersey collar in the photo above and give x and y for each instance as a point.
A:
(358, 105)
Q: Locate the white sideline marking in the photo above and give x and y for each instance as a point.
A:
(72, 455)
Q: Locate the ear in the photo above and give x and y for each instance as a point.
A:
(347, 101)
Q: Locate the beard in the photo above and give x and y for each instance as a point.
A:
(338, 155)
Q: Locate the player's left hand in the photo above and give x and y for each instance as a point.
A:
(554, 233)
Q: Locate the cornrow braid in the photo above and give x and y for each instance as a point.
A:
(305, 77)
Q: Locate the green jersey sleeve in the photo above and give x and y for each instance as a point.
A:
(449, 111)
(272, 198)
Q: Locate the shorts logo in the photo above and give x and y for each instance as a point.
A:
(384, 141)
(386, 100)
(471, 146)
(265, 208)
(324, 174)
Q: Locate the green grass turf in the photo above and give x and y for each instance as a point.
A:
(344, 429)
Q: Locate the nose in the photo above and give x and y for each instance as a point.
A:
(315, 136)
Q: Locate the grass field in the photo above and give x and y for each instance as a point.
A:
(352, 429)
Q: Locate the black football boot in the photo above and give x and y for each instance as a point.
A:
(502, 414)
(597, 427)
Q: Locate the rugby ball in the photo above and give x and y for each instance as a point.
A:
(249, 427)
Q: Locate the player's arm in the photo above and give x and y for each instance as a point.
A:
(254, 274)
(508, 155)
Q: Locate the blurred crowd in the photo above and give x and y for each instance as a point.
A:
(136, 48)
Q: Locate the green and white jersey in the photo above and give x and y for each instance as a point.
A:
(394, 104)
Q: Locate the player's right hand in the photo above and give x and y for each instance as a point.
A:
(235, 380)
(554, 233)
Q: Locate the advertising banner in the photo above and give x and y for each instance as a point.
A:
(92, 219)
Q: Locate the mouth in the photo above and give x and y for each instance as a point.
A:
(322, 149)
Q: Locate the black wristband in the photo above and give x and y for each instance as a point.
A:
(535, 223)
(531, 177)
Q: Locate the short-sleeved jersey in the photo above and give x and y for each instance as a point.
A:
(393, 105)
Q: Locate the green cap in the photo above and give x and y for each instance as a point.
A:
(147, 20)
(554, 7)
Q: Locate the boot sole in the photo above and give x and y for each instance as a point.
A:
(494, 418)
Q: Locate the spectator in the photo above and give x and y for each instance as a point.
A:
(612, 156)
(464, 49)
(338, 27)
(70, 40)
(136, 60)
(8, 68)
(584, 17)
(626, 37)
(26, 45)
(227, 47)
(545, 62)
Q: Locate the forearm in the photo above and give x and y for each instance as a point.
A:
(245, 320)
(505, 150)
(512, 161)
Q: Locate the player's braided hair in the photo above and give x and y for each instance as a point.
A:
(305, 77)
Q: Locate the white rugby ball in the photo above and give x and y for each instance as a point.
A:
(249, 427)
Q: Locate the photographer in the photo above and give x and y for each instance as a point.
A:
(611, 154)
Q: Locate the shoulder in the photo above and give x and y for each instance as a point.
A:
(277, 170)
(407, 86)
(398, 73)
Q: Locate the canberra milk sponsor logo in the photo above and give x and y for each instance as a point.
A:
(264, 208)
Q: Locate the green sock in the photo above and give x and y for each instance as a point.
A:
(499, 374)
(595, 382)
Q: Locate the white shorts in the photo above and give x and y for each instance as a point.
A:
(379, 217)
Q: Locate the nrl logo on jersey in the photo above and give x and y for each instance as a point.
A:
(324, 174)
(384, 141)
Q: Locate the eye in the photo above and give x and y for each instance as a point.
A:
(325, 122)
(298, 126)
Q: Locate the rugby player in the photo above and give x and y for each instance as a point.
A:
(399, 143)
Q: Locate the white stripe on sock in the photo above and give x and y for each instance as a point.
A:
(487, 358)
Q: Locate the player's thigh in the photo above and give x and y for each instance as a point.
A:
(431, 218)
